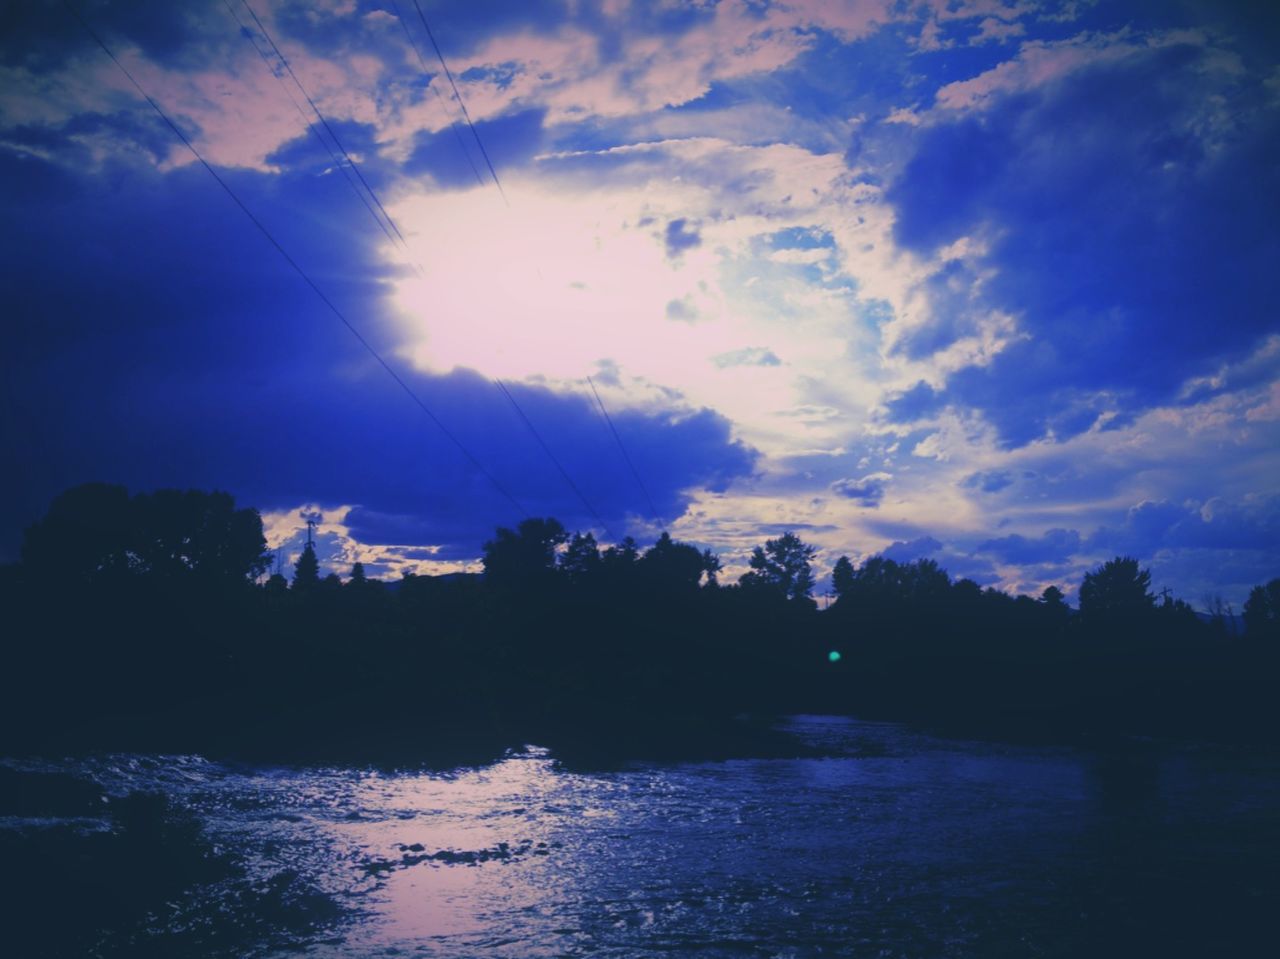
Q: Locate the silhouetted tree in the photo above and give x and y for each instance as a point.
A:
(711, 565)
(524, 556)
(306, 572)
(623, 555)
(842, 577)
(192, 532)
(96, 530)
(581, 559)
(1053, 598)
(782, 565)
(1262, 612)
(1117, 590)
(1054, 604)
(1222, 617)
(924, 582)
(357, 574)
(668, 564)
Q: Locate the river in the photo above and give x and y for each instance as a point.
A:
(890, 843)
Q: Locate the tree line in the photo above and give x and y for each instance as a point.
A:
(149, 620)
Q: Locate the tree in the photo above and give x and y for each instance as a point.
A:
(1053, 598)
(1054, 604)
(712, 565)
(842, 577)
(1262, 612)
(181, 532)
(306, 572)
(668, 564)
(358, 577)
(85, 536)
(1117, 590)
(621, 556)
(97, 531)
(581, 559)
(782, 565)
(524, 556)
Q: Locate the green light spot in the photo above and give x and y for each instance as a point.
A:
(833, 656)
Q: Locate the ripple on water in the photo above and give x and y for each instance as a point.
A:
(895, 844)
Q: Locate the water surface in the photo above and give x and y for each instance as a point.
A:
(895, 844)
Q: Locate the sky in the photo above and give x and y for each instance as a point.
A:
(992, 283)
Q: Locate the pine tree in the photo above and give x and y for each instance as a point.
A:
(306, 572)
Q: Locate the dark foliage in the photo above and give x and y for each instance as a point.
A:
(141, 622)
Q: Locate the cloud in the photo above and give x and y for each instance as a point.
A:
(1019, 281)
(914, 404)
(682, 310)
(988, 481)
(747, 356)
(1150, 526)
(680, 236)
(867, 491)
(237, 377)
(1053, 546)
(1132, 243)
(908, 551)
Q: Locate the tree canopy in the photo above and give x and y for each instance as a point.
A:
(97, 531)
(1117, 590)
(782, 566)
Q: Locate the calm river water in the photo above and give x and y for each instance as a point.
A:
(894, 844)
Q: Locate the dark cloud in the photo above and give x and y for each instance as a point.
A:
(988, 481)
(1122, 256)
(42, 34)
(955, 309)
(680, 236)
(1053, 546)
(174, 348)
(453, 156)
(920, 401)
(1151, 526)
(747, 356)
(682, 310)
(868, 491)
(909, 551)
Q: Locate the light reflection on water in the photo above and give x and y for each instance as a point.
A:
(897, 844)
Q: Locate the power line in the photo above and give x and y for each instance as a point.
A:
(284, 61)
(297, 268)
(653, 510)
(458, 96)
(453, 124)
(389, 221)
(552, 456)
(467, 116)
(310, 125)
(354, 168)
(501, 386)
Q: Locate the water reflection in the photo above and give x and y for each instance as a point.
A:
(895, 844)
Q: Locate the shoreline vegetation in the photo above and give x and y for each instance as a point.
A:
(145, 622)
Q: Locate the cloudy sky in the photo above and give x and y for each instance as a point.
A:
(990, 282)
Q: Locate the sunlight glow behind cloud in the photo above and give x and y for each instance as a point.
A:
(956, 273)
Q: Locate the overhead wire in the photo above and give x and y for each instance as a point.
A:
(422, 60)
(480, 143)
(329, 129)
(525, 419)
(315, 288)
(546, 449)
(458, 96)
(653, 510)
(312, 127)
(498, 383)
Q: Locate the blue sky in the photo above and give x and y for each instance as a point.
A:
(989, 282)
